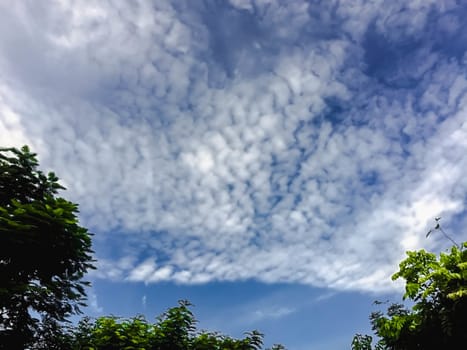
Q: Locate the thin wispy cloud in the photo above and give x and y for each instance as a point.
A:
(299, 142)
(270, 313)
(93, 302)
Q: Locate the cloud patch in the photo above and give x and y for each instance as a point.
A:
(274, 148)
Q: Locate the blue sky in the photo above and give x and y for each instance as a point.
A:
(271, 161)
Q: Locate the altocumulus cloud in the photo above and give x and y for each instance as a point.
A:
(301, 142)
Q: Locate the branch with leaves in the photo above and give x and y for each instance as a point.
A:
(437, 287)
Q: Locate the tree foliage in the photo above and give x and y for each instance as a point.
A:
(437, 287)
(174, 330)
(44, 253)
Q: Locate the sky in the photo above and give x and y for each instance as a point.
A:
(270, 161)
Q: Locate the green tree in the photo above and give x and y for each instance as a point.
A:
(44, 254)
(175, 329)
(437, 287)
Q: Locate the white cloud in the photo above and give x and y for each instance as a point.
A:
(271, 313)
(206, 175)
(93, 304)
(13, 134)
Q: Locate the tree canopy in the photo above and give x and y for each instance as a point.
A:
(437, 288)
(44, 252)
(174, 330)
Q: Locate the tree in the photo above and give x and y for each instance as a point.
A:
(437, 287)
(44, 254)
(175, 329)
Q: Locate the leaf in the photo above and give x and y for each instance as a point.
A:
(58, 212)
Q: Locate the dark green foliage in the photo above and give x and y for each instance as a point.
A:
(174, 330)
(437, 286)
(44, 254)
